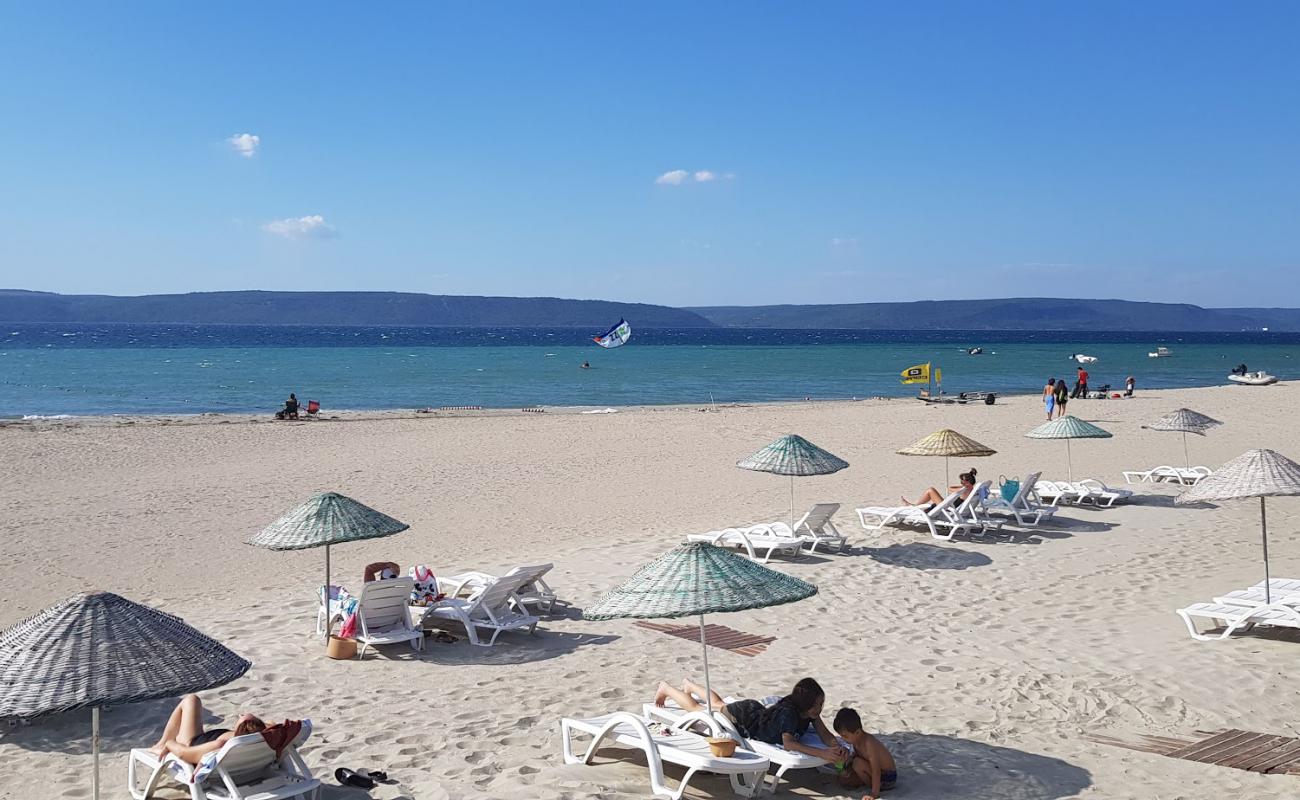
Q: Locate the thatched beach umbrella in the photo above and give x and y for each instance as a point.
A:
(98, 649)
(1255, 473)
(794, 456)
(326, 519)
(695, 579)
(1185, 421)
(1067, 428)
(947, 443)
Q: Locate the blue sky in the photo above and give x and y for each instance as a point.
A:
(844, 152)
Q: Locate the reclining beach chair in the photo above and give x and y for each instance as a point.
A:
(672, 745)
(245, 768)
(1280, 590)
(313, 409)
(756, 539)
(492, 609)
(818, 528)
(1024, 506)
(532, 592)
(1056, 493)
(382, 615)
(784, 760)
(1188, 476)
(1094, 491)
(1234, 618)
(971, 510)
(941, 520)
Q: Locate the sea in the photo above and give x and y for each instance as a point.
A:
(53, 370)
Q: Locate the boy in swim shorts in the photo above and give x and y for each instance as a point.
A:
(871, 765)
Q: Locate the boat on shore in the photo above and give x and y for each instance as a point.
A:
(1161, 352)
(1258, 378)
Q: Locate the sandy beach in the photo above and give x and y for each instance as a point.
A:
(985, 665)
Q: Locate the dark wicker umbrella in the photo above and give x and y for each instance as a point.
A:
(794, 456)
(326, 519)
(1255, 473)
(98, 649)
(695, 579)
(1185, 421)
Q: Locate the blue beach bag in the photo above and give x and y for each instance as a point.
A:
(1010, 489)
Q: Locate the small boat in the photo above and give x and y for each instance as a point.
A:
(1260, 378)
(1082, 359)
(974, 351)
(1161, 352)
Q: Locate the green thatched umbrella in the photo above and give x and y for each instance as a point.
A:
(947, 443)
(1067, 428)
(794, 456)
(326, 519)
(1255, 473)
(1185, 421)
(98, 649)
(695, 579)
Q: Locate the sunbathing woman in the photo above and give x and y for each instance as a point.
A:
(932, 498)
(781, 724)
(185, 738)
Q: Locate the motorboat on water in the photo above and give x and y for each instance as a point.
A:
(974, 351)
(1082, 359)
(1161, 352)
(1259, 378)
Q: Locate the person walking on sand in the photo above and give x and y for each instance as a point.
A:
(1062, 397)
(1081, 384)
(1049, 397)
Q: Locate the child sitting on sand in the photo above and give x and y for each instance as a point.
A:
(871, 765)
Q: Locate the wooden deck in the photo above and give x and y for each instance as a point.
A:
(720, 636)
(1237, 749)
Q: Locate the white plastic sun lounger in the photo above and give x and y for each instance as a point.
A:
(1099, 493)
(382, 616)
(493, 609)
(745, 768)
(1185, 475)
(818, 528)
(784, 760)
(533, 592)
(940, 520)
(1023, 506)
(1054, 493)
(1233, 618)
(1280, 590)
(971, 510)
(245, 768)
(754, 540)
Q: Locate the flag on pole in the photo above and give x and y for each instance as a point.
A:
(918, 374)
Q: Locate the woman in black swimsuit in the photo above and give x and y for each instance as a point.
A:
(932, 497)
(184, 737)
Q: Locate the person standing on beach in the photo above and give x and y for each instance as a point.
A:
(1129, 386)
(1081, 384)
(1062, 397)
(1049, 397)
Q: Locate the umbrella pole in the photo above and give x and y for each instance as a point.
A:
(1069, 462)
(329, 618)
(1186, 456)
(1263, 526)
(791, 507)
(946, 473)
(708, 688)
(94, 752)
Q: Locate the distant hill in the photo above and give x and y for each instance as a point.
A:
(1032, 313)
(338, 308)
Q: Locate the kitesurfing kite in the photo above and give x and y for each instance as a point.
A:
(615, 336)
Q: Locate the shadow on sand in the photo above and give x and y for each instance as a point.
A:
(919, 555)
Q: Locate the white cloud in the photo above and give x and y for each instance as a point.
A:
(312, 226)
(679, 176)
(245, 143)
(844, 241)
(704, 176)
(673, 178)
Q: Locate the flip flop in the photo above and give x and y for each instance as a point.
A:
(375, 775)
(347, 777)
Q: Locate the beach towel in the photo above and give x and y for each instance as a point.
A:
(343, 605)
(425, 591)
(281, 735)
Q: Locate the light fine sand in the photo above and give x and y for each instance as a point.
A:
(984, 665)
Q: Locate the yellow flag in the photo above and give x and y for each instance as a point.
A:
(938, 375)
(918, 374)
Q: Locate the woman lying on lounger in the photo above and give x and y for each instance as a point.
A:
(185, 738)
(781, 724)
(932, 498)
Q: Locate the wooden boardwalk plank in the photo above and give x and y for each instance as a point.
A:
(720, 636)
(1236, 749)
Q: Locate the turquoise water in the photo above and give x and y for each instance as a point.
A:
(143, 370)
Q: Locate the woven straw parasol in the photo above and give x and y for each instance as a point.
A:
(1255, 473)
(947, 443)
(794, 456)
(1185, 421)
(98, 649)
(326, 519)
(695, 579)
(1067, 428)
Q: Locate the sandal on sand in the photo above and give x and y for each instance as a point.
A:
(347, 777)
(376, 775)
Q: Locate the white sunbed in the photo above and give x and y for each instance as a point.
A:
(1285, 590)
(971, 510)
(1025, 506)
(532, 592)
(493, 609)
(1233, 618)
(941, 520)
(245, 768)
(764, 539)
(1054, 493)
(818, 528)
(784, 760)
(382, 616)
(1099, 493)
(1164, 473)
(745, 768)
